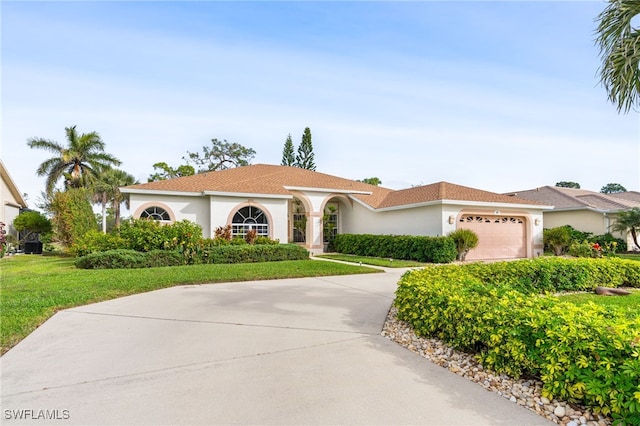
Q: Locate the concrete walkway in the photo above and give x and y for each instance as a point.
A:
(298, 351)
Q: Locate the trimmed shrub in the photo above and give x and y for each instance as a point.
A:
(247, 253)
(585, 354)
(112, 259)
(465, 240)
(405, 247)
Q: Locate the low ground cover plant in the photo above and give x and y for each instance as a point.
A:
(505, 313)
(405, 247)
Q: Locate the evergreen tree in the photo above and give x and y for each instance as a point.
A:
(288, 155)
(304, 158)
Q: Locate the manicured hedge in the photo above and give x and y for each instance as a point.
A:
(586, 354)
(221, 254)
(127, 259)
(405, 247)
(254, 253)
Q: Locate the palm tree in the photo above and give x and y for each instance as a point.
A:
(619, 44)
(102, 193)
(114, 179)
(628, 220)
(79, 162)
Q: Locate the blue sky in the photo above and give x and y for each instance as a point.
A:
(500, 96)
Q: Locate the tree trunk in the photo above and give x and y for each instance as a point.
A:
(104, 213)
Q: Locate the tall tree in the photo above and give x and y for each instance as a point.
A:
(628, 221)
(78, 162)
(304, 157)
(288, 154)
(612, 188)
(163, 171)
(372, 181)
(220, 156)
(72, 215)
(619, 41)
(568, 184)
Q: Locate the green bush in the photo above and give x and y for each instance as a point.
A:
(112, 259)
(584, 354)
(557, 239)
(97, 241)
(582, 249)
(466, 240)
(146, 235)
(421, 249)
(245, 253)
(252, 253)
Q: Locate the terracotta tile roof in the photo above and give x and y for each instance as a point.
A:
(570, 198)
(272, 179)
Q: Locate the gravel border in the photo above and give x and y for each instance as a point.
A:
(526, 393)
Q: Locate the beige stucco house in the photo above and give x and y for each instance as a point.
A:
(11, 200)
(584, 210)
(291, 204)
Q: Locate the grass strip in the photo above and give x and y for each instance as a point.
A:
(375, 261)
(630, 302)
(33, 288)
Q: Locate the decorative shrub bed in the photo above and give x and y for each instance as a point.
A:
(587, 354)
(405, 247)
(221, 254)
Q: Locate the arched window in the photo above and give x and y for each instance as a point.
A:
(248, 218)
(155, 213)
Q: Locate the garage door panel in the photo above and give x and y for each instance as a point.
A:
(500, 237)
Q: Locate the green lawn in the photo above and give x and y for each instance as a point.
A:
(631, 302)
(33, 287)
(630, 256)
(375, 261)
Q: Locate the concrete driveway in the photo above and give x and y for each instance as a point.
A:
(298, 351)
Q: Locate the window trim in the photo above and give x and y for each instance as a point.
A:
(143, 207)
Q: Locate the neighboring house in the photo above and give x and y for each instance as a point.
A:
(586, 211)
(292, 205)
(11, 200)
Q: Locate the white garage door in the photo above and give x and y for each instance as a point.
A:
(500, 237)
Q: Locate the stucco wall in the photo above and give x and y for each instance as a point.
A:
(223, 209)
(582, 220)
(415, 221)
(213, 211)
(8, 208)
(194, 209)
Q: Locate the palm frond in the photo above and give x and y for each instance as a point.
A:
(619, 44)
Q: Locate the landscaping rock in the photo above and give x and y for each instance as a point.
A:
(527, 393)
(607, 291)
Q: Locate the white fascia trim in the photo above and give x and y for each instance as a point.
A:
(326, 190)
(593, 209)
(498, 205)
(126, 190)
(247, 195)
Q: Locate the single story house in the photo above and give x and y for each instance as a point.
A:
(11, 200)
(295, 205)
(584, 210)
